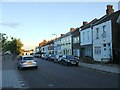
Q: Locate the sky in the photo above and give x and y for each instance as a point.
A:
(32, 22)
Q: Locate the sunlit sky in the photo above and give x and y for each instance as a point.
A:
(33, 22)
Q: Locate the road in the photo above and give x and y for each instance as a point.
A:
(53, 75)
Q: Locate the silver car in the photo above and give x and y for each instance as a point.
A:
(27, 61)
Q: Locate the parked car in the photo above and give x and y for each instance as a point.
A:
(69, 60)
(58, 58)
(51, 57)
(46, 56)
(43, 56)
(39, 55)
(27, 61)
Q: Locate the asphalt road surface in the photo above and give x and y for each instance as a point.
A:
(53, 75)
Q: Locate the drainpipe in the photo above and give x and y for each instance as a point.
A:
(91, 25)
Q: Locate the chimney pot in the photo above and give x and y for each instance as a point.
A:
(85, 23)
(109, 10)
(62, 34)
(72, 29)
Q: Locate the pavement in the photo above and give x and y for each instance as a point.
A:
(110, 68)
(12, 79)
(10, 76)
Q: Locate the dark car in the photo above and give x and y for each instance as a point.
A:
(46, 56)
(69, 60)
(58, 58)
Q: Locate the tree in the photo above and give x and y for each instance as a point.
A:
(3, 41)
(14, 46)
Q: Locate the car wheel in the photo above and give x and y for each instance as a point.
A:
(18, 67)
(36, 67)
(61, 62)
(66, 64)
(77, 64)
(21, 68)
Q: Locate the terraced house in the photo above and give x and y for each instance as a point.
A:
(66, 43)
(76, 42)
(86, 39)
(57, 45)
(106, 41)
(97, 40)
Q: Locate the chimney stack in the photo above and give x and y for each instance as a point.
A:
(72, 29)
(109, 10)
(85, 23)
(62, 35)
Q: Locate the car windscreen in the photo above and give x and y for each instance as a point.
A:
(28, 58)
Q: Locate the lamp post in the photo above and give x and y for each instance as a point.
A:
(55, 35)
(55, 45)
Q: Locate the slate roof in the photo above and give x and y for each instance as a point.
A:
(89, 24)
(113, 16)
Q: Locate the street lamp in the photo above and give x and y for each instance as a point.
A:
(55, 35)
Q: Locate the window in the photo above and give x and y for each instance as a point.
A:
(76, 39)
(97, 50)
(104, 45)
(67, 51)
(104, 32)
(66, 39)
(88, 35)
(28, 58)
(76, 52)
(108, 44)
(83, 36)
(97, 33)
(104, 48)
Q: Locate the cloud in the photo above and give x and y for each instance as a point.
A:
(12, 25)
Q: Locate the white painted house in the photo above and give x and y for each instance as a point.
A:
(86, 42)
(86, 39)
(106, 33)
(102, 41)
(86, 36)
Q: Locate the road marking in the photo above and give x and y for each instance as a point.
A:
(51, 85)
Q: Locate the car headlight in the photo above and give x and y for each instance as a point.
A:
(68, 60)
